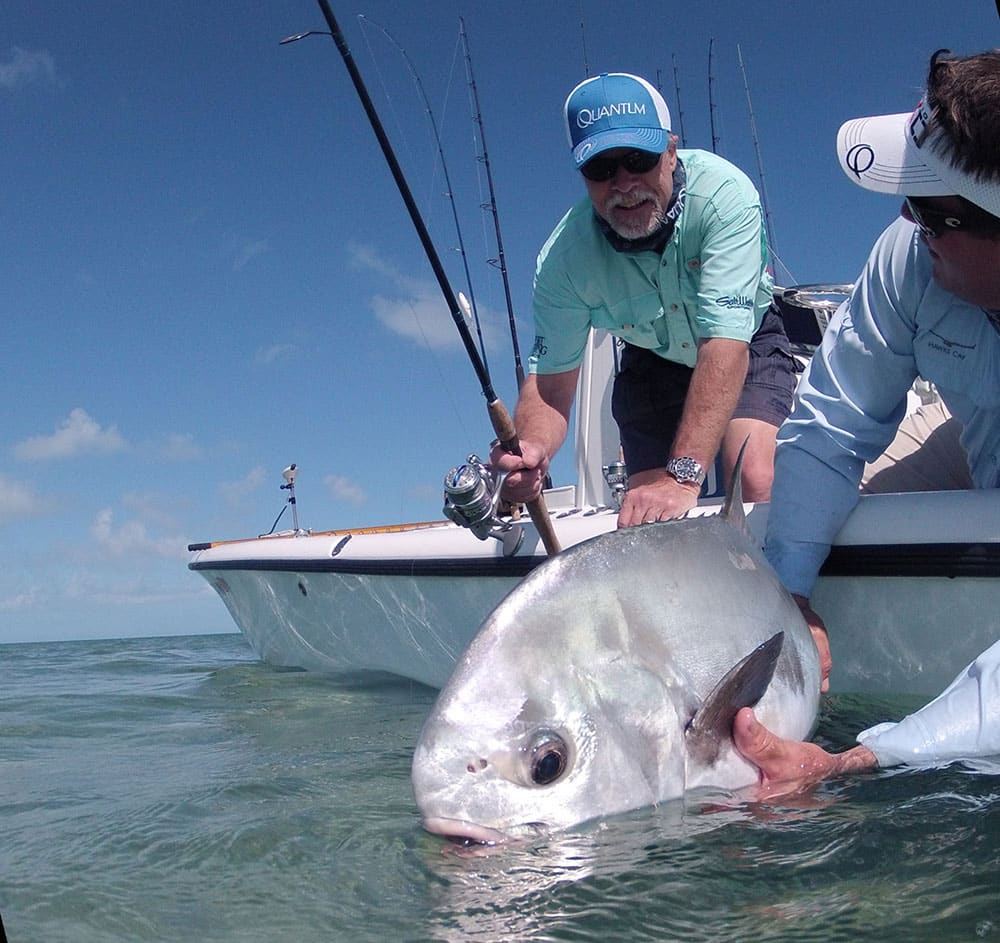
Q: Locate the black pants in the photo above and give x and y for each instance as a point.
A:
(649, 393)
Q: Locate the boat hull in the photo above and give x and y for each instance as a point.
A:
(908, 592)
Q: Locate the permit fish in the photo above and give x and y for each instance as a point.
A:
(608, 679)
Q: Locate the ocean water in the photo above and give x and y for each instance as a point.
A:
(177, 789)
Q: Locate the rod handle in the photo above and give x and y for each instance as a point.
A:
(503, 426)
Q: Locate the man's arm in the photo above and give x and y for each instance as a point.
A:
(716, 383)
(848, 406)
(541, 418)
(790, 765)
(961, 723)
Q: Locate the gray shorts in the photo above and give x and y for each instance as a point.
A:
(925, 455)
(649, 394)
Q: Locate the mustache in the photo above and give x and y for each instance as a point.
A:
(633, 198)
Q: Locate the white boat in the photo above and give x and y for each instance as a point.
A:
(906, 591)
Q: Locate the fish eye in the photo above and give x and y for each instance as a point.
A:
(549, 758)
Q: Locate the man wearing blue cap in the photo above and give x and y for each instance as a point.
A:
(668, 253)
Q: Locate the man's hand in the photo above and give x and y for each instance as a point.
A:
(656, 496)
(527, 471)
(788, 766)
(820, 637)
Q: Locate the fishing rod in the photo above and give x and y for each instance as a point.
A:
(583, 41)
(473, 310)
(677, 96)
(503, 424)
(501, 263)
(760, 169)
(711, 101)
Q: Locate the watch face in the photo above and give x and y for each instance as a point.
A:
(686, 469)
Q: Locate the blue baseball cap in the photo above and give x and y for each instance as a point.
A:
(615, 109)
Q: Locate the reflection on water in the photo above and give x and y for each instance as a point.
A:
(176, 789)
(890, 858)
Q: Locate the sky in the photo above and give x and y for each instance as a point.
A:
(207, 273)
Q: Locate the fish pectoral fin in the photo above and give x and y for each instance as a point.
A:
(742, 686)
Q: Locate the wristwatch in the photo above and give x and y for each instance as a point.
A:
(686, 470)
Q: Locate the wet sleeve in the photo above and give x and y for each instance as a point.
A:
(962, 723)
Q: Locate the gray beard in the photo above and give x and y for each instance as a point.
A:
(633, 233)
(656, 222)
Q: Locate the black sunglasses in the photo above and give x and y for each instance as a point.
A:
(934, 223)
(599, 169)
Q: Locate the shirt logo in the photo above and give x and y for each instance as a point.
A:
(948, 347)
(540, 349)
(735, 301)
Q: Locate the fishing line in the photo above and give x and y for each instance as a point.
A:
(449, 191)
(500, 261)
(500, 418)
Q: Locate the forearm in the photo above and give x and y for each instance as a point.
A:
(543, 409)
(716, 384)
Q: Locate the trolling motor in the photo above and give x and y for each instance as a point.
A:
(471, 500)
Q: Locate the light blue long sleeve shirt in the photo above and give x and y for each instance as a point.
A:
(898, 324)
(961, 723)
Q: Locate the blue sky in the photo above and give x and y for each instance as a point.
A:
(206, 272)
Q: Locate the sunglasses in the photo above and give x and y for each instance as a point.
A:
(599, 169)
(935, 223)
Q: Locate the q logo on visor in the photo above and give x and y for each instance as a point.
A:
(859, 159)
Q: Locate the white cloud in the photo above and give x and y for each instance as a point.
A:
(132, 540)
(246, 252)
(26, 67)
(181, 447)
(125, 590)
(77, 435)
(21, 601)
(345, 490)
(276, 353)
(416, 309)
(18, 500)
(423, 491)
(235, 492)
(152, 508)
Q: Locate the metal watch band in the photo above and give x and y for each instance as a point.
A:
(686, 469)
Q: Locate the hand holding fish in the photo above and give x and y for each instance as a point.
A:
(656, 496)
(788, 766)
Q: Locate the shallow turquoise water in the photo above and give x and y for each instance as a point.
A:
(176, 789)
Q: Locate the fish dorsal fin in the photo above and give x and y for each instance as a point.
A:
(742, 686)
(732, 509)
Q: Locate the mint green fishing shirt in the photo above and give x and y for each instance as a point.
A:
(711, 279)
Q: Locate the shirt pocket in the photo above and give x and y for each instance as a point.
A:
(637, 319)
